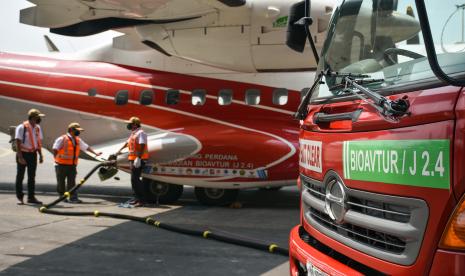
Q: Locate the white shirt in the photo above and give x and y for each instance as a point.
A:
(59, 143)
(141, 136)
(19, 134)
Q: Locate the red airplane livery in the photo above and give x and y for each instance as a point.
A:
(212, 81)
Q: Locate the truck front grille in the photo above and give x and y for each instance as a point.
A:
(363, 235)
(387, 227)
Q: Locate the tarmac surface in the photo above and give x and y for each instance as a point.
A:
(32, 243)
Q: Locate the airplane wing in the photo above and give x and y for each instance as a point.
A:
(237, 35)
(88, 17)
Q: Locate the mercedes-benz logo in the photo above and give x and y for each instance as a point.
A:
(336, 199)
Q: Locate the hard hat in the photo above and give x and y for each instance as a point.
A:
(35, 113)
(133, 120)
(75, 126)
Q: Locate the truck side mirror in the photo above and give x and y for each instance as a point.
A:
(298, 28)
(296, 34)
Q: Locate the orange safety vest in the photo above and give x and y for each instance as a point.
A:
(134, 147)
(28, 129)
(69, 153)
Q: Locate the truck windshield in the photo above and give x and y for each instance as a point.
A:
(383, 39)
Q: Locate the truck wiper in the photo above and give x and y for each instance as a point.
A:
(360, 81)
(302, 113)
(391, 111)
(352, 83)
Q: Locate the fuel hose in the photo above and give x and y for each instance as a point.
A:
(47, 209)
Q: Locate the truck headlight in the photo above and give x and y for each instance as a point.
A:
(454, 234)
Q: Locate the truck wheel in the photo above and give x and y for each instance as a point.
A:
(166, 193)
(216, 197)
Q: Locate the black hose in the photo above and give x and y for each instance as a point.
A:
(75, 188)
(46, 209)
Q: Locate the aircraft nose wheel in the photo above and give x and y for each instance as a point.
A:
(214, 193)
(159, 188)
(159, 192)
(215, 196)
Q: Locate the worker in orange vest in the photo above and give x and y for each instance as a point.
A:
(138, 156)
(28, 136)
(66, 151)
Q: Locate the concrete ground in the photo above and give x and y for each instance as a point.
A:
(32, 243)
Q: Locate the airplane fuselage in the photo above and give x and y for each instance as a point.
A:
(202, 131)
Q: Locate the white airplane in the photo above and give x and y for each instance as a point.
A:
(212, 80)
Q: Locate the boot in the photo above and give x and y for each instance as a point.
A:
(33, 200)
(20, 199)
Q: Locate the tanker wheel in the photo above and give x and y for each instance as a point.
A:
(164, 192)
(216, 197)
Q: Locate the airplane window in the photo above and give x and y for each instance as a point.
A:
(146, 97)
(225, 97)
(252, 96)
(280, 96)
(199, 96)
(172, 96)
(122, 97)
(92, 92)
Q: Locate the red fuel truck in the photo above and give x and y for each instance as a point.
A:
(382, 143)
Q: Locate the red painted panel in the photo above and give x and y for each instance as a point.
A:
(444, 99)
(153, 77)
(448, 263)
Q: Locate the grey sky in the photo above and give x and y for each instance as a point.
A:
(17, 37)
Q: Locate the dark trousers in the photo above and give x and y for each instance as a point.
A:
(31, 165)
(136, 182)
(66, 173)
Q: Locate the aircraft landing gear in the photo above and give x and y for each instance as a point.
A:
(216, 197)
(159, 192)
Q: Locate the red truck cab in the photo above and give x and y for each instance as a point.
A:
(382, 144)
